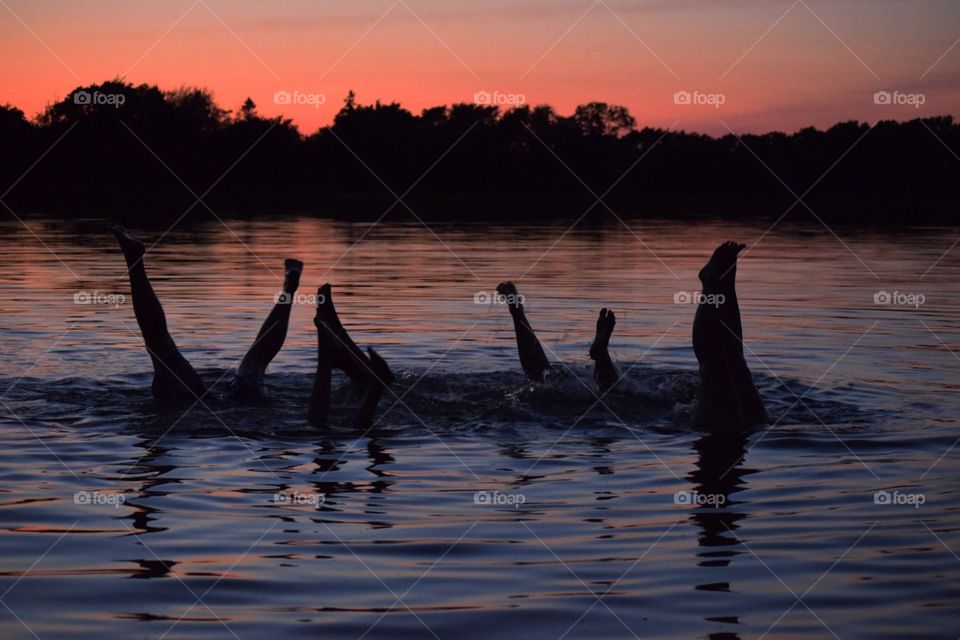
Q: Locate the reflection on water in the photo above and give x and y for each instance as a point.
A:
(717, 477)
(607, 519)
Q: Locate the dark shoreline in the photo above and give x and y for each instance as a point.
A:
(156, 154)
(510, 208)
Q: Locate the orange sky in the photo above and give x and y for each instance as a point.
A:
(776, 64)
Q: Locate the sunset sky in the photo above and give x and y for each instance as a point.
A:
(778, 64)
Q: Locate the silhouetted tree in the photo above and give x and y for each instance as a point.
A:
(248, 110)
(601, 119)
(119, 146)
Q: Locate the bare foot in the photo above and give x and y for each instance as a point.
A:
(511, 296)
(722, 266)
(605, 324)
(507, 288)
(132, 248)
(292, 269)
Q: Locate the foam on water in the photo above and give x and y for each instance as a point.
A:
(645, 397)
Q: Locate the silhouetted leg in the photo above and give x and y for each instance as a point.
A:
(173, 377)
(604, 372)
(751, 405)
(727, 396)
(717, 404)
(532, 358)
(380, 378)
(349, 359)
(730, 315)
(327, 348)
(273, 332)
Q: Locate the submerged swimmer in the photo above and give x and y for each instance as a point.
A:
(603, 370)
(249, 379)
(532, 358)
(174, 379)
(726, 397)
(336, 350)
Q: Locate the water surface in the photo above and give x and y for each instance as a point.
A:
(219, 521)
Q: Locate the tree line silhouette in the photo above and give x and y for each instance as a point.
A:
(159, 152)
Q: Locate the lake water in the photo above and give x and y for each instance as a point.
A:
(610, 517)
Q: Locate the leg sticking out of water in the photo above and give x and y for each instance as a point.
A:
(248, 383)
(174, 380)
(604, 372)
(727, 397)
(380, 378)
(751, 404)
(532, 358)
(349, 358)
(327, 348)
(330, 349)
